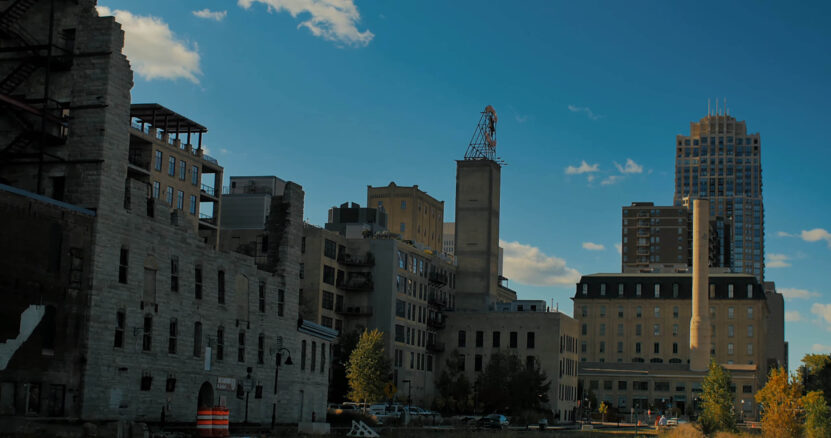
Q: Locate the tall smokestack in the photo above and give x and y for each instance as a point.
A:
(700, 321)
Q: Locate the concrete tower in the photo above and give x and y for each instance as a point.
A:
(700, 320)
(478, 179)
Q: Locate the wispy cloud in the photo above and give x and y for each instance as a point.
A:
(793, 316)
(154, 51)
(823, 311)
(211, 15)
(797, 294)
(332, 20)
(528, 265)
(584, 109)
(630, 167)
(611, 179)
(619, 248)
(591, 246)
(819, 348)
(777, 261)
(816, 235)
(584, 167)
(784, 234)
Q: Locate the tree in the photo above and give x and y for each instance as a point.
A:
(717, 403)
(603, 409)
(815, 373)
(339, 388)
(780, 399)
(817, 415)
(455, 395)
(507, 386)
(368, 369)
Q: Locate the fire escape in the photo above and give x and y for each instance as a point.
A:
(35, 122)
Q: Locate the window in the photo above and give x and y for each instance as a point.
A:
(302, 355)
(729, 291)
(730, 331)
(656, 348)
(512, 339)
(197, 339)
(638, 330)
(241, 347)
(120, 325)
(174, 273)
(262, 296)
(638, 312)
(220, 343)
(730, 313)
(192, 206)
(675, 330)
(197, 282)
(638, 289)
(750, 291)
(674, 348)
(602, 289)
(603, 311)
(158, 165)
(183, 169)
(403, 205)
(583, 346)
(729, 348)
(602, 329)
(220, 286)
(675, 312)
(584, 311)
(171, 340)
(168, 197)
(750, 331)
(147, 338)
(584, 330)
(620, 329)
(529, 340)
(480, 338)
(314, 357)
(657, 312)
(747, 389)
(637, 347)
(496, 339)
(146, 380)
(261, 349)
(656, 329)
(322, 357)
(403, 227)
(620, 289)
(330, 249)
(328, 301)
(749, 348)
(585, 288)
(123, 264)
(194, 175)
(157, 188)
(170, 384)
(180, 200)
(171, 168)
(462, 338)
(657, 291)
(477, 362)
(461, 362)
(749, 312)
(281, 301)
(620, 311)
(675, 290)
(328, 275)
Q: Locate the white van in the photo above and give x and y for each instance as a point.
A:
(385, 410)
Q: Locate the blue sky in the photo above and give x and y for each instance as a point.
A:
(338, 97)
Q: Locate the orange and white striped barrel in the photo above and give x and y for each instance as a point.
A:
(204, 422)
(221, 415)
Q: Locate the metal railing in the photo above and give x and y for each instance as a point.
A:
(209, 190)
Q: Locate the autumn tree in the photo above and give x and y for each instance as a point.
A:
(780, 400)
(368, 368)
(717, 402)
(815, 373)
(603, 409)
(817, 415)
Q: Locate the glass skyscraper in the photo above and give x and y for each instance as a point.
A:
(721, 162)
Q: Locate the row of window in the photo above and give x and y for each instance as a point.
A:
(412, 336)
(656, 348)
(623, 385)
(656, 290)
(180, 198)
(150, 282)
(656, 330)
(656, 312)
(530, 339)
(478, 362)
(418, 361)
(171, 168)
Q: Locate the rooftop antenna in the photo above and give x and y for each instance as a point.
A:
(726, 111)
(716, 106)
(483, 143)
(708, 108)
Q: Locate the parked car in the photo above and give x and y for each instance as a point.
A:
(493, 421)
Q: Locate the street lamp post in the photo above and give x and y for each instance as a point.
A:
(249, 385)
(409, 395)
(276, 375)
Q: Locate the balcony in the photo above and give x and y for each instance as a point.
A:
(351, 260)
(356, 311)
(435, 323)
(207, 221)
(208, 194)
(435, 347)
(438, 278)
(356, 284)
(139, 161)
(437, 302)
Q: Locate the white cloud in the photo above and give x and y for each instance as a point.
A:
(583, 168)
(784, 234)
(823, 311)
(211, 15)
(332, 20)
(153, 49)
(521, 119)
(797, 294)
(584, 109)
(819, 348)
(611, 179)
(619, 248)
(593, 246)
(816, 235)
(631, 167)
(777, 260)
(793, 316)
(528, 265)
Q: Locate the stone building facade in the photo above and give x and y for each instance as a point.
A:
(412, 213)
(168, 323)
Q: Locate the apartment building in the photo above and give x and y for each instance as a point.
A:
(412, 213)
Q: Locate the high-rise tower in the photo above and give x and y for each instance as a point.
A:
(719, 161)
(477, 219)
